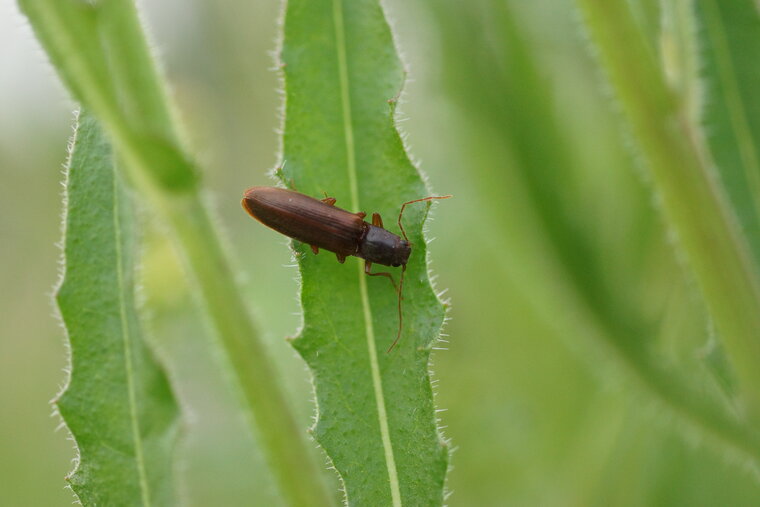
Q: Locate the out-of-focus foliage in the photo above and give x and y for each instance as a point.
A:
(552, 248)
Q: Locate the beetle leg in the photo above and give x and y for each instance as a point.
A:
(377, 220)
(361, 215)
(341, 258)
(329, 200)
(315, 249)
(368, 266)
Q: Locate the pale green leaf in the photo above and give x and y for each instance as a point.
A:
(118, 404)
(376, 417)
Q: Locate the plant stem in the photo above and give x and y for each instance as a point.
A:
(292, 462)
(102, 55)
(692, 198)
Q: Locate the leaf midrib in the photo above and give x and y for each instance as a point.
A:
(340, 43)
(128, 366)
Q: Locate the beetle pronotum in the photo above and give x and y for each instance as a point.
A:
(321, 224)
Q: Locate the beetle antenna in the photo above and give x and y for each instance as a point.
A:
(412, 202)
(403, 266)
(400, 314)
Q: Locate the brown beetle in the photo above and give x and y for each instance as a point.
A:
(321, 224)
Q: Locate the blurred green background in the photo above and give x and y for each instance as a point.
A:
(552, 250)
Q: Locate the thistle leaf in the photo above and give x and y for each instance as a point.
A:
(118, 404)
(376, 418)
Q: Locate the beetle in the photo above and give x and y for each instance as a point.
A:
(321, 224)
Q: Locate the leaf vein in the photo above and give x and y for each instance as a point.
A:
(340, 42)
(125, 332)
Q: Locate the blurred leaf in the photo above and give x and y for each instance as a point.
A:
(680, 56)
(693, 202)
(606, 278)
(517, 104)
(649, 18)
(375, 409)
(118, 404)
(730, 44)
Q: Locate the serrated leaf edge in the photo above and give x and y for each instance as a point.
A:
(125, 332)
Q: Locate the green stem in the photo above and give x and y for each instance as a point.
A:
(692, 198)
(267, 410)
(101, 54)
(291, 461)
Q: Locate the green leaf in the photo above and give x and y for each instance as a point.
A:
(118, 404)
(730, 44)
(376, 418)
(566, 269)
(101, 53)
(693, 200)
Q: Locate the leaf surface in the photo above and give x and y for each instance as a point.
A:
(118, 404)
(376, 417)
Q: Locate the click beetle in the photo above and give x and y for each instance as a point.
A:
(321, 224)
